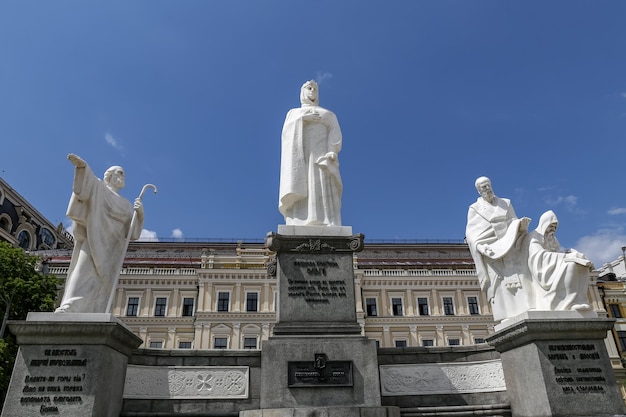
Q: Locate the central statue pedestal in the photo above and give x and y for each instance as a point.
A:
(318, 363)
(558, 366)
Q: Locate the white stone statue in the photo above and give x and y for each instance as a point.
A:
(310, 183)
(101, 226)
(496, 241)
(562, 278)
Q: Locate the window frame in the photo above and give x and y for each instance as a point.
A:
(184, 307)
(164, 306)
(246, 338)
(446, 305)
(220, 302)
(256, 301)
(419, 306)
(395, 310)
(137, 306)
(371, 312)
(221, 338)
(470, 305)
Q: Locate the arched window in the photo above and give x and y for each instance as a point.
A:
(47, 238)
(5, 222)
(24, 240)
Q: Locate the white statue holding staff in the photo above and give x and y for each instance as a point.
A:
(104, 222)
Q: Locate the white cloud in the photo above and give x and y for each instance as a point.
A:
(603, 246)
(570, 202)
(320, 77)
(111, 141)
(178, 234)
(619, 210)
(148, 236)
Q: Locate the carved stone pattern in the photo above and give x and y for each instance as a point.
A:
(271, 268)
(313, 245)
(171, 382)
(450, 378)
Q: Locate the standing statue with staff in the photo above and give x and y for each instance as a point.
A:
(104, 223)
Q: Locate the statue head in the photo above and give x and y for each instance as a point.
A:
(309, 93)
(115, 178)
(548, 224)
(483, 186)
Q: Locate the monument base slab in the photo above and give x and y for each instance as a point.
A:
(313, 388)
(73, 365)
(324, 412)
(558, 367)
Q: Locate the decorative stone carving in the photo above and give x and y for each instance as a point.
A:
(441, 378)
(180, 382)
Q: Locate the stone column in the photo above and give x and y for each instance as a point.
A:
(68, 364)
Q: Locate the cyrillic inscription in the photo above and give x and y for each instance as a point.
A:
(314, 288)
(575, 370)
(52, 390)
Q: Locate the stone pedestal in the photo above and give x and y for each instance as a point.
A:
(318, 363)
(315, 284)
(557, 366)
(71, 365)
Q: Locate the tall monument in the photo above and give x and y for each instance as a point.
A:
(73, 362)
(317, 362)
(551, 343)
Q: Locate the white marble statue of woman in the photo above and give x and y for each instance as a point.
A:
(101, 222)
(310, 183)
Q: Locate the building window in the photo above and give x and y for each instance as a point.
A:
(448, 306)
(454, 342)
(622, 340)
(472, 303)
(428, 342)
(160, 306)
(132, 308)
(252, 301)
(220, 343)
(422, 306)
(400, 343)
(222, 301)
(188, 304)
(478, 340)
(23, 240)
(615, 310)
(156, 345)
(47, 238)
(249, 342)
(396, 305)
(377, 344)
(184, 345)
(370, 305)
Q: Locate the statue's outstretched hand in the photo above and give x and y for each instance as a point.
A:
(77, 160)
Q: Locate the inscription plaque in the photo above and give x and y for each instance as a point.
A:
(319, 373)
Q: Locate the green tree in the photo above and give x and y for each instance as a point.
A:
(22, 289)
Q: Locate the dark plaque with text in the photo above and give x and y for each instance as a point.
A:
(309, 374)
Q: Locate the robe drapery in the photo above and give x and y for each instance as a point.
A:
(564, 278)
(310, 182)
(101, 222)
(495, 243)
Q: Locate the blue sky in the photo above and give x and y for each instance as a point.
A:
(191, 96)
